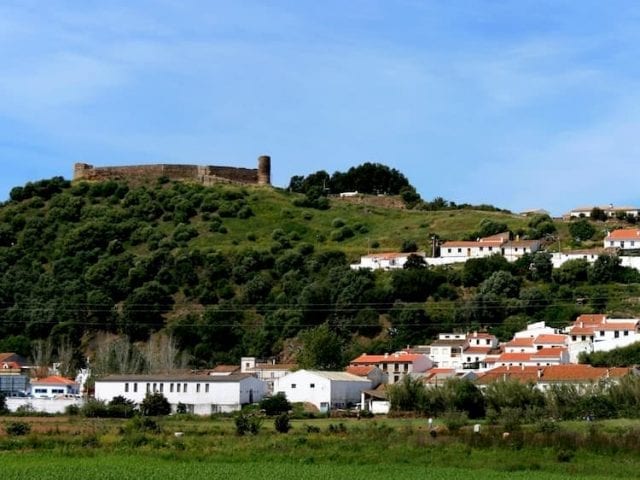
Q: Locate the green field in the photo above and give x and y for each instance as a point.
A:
(62, 448)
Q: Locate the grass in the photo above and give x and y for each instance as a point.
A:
(367, 448)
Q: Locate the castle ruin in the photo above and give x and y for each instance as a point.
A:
(206, 175)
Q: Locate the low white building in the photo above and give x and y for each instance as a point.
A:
(325, 390)
(609, 210)
(385, 261)
(598, 333)
(516, 249)
(201, 394)
(446, 351)
(53, 386)
(483, 247)
(624, 239)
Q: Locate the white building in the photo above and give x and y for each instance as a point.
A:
(385, 261)
(201, 394)
(598, 333)
(325, 390)
(624, 239)
(53, 386)
(483, 247)
(609, 210)
(446, 351)
(266, 370)
(518, 248)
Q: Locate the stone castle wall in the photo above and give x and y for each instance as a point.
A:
(206, 175)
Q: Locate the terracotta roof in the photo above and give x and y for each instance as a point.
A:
(624, 234)
(176, 377)
(471, 350)
(360, 370)
(551, 338)
(573, 372)
(520, 342)
(581, 330)
(389, 255)
(514, 357)
(521, 374)
(498, 237)
(390, 358)
(441, 342)
(591, 318)
(522, 243)
(469, 244)
(550, 352)
(53, 380)
(480, 335)
(226, 369)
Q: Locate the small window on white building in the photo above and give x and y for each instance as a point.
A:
(197, 388)
(312, 385)
(135, 387)
(625, 333)
(161, 387)
(602, 333)
(491, 249)
(616, 334)
(126, 386)
(459, 250)
(177, 387)
(293, 385)
(171, 387)
(448, 250)
(206, 388)
(148, 388)
(155, 387)
(185, 388)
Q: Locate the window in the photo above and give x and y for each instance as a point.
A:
(40, 390)
(155, 387)
(406, 367)
(633, 243)
(177, 387)
(312, 385)
(126, 387)
(611, 244)
(171, 387)
(57, 390)
(573, 338)
(161, 387)
(616, 334)
(206, 388)
(459, 250)
(448, 250)
(396, 378)
(602, 333)
(491, 249)
(481, 249)
(135, 387)
(148, 388)
(197, 388)
(293, 385)
(395, 367)
(246, 365)
(468, 359)
(185, 388)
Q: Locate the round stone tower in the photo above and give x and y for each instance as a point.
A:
(264, 170)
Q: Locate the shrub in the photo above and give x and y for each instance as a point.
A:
(275, 404)
(15, 429)
(155, 404)
(120, 407)
(247, 423)
(95, 409)
(282, 423)
(139, 425)
(3, 404)
(72, 410)
(454, 420)
(337, 223)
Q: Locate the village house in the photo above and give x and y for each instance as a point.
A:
(384, 261)
(610, 211)
(483, 247)
(201, 394)
(325, 390)
(543, 377)
(370, 372)
(446, 351)
(395, 365)
(623, 239)
(53, 386)
(598, 333)
(14, 376)
(266, 370)
(478, 346)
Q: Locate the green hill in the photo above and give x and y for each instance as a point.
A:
(231, 270)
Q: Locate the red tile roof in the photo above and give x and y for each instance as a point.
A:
(390, 358)
(521, 342)
(551, 339)
(624, 234)
(549, 352)
(53, 380)
(573, 372)
(514, 357)
(361, 370)
(521, 374)
(473, 350)
(226, 369)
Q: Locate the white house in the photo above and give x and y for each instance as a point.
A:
(385, 261)
(516, 249)
(483, 247)
(609, 210)
(201, 394)
(325, 390)
(266, 370)
(624, 239)
(53, 386)
(598, 333)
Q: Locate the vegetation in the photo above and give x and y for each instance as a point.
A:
(155, 278)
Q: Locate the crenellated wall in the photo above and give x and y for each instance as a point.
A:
(207, 175)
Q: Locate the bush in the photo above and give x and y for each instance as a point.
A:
(141, 425)
(247, 423)
(72, 410)
(275, 404)
(282, 423)
(15, 429)
(455, 420)
(154, 405)
(95, 409)
(337, 223)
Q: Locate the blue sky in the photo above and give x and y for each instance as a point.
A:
(521, 104)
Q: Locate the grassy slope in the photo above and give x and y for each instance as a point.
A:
(387, 226)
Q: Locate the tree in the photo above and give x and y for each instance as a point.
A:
(155, 405)
(409, 246)
(321, 349)
(605, 269)
(581, 230)
(3, 404)
(502, 284)
(275, 404)
(598, 214)
(282, 423)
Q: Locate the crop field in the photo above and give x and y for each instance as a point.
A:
(124, 467)
(75, 447)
